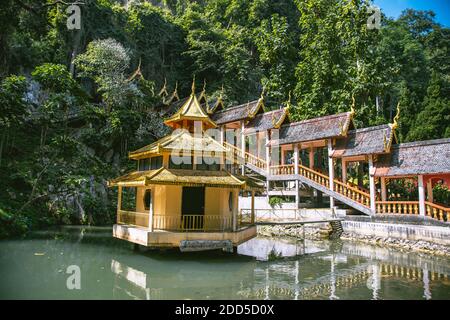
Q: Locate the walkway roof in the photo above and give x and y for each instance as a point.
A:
(421, 157)
(365, 141)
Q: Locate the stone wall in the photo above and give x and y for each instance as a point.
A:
(413, 232)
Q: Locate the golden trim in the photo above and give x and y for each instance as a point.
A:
(277, 124)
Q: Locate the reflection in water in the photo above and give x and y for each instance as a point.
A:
(308, 270)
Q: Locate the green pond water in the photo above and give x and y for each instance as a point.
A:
(35, 268)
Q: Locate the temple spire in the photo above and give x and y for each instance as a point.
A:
(193, 86)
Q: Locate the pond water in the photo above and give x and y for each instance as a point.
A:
(35, 268)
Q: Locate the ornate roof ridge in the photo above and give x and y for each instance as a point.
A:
(421, 143)
(327, 117)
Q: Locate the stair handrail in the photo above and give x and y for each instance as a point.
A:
(261, 163)
(300, 166)
(352, 188)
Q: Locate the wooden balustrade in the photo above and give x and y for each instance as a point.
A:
(244, 217)
(313, 175)
(344, 189)
(236, 154)
(352, 193)
(254, 160)
(176, 222)
(283, 169)
(436, 211)
(398, 207)
(353, 185)
(139, 219)
(166, 222)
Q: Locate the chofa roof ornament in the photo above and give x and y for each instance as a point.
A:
(352, 108)
(163, 92)
(387, 141)
(397, 116)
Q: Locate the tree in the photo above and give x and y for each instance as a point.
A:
(434, 120)
(106, 62)
(336, 59)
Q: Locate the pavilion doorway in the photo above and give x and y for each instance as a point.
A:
(193, 208)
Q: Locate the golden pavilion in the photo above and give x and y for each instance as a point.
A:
(182, 194)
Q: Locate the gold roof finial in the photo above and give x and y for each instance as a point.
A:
(397, 116)
(204, 85)
(262, 92)
(175, 91)
(164, 88)
(193, 86)
(288, 103)
(352, 108)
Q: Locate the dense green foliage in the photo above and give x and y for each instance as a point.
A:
(54, 166)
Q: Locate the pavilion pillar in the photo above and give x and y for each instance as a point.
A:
(372, 185)
(235, 210)
(267, 152)
(430, 190)
(297, 185)
(344, 171)
(119, 202)
(421, 195)
(311, 157)
(150, 212)
(331, 170)
(253, 208)
(243, 146)
(222, 142)
(383, 189)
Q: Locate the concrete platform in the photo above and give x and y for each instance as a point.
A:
(172, 239)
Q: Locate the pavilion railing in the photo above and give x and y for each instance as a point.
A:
(398, 207)
(436, 211)
(176, 222)
(134, 218)
(244, 217)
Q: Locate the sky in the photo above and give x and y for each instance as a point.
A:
(393, 8)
